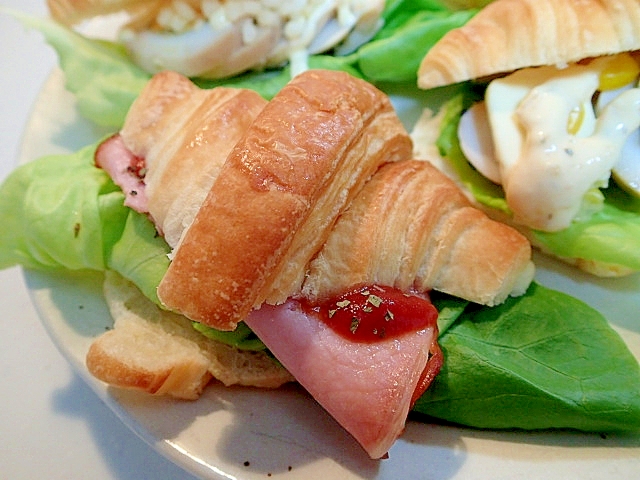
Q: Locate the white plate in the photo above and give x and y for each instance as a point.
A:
(246, 434)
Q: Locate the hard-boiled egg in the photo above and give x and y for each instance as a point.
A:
(474, 134)
(626, 172)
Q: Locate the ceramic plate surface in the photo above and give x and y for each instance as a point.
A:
(249, 434)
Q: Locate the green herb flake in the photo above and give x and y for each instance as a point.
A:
(355, 323)
(374, 300)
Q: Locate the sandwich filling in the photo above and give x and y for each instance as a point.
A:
(215, 39)
(552, 137)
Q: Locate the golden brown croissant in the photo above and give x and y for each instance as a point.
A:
(184, 133)
(275, 200)
(411, 227)
(511, 34)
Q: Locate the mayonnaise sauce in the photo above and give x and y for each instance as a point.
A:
(545, 170)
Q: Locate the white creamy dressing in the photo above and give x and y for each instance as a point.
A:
(545, 165)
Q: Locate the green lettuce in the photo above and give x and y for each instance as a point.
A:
(99, 73)
(543, 360)
(411, 29)
(538, 361)
(241, 338)
(610, 235)
(105, 81)
(62, 212)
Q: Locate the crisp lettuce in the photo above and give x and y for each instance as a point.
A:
(610, 235)
(99, 73)
(394, 55)
(543, 360)
(62, 212)
(241, 338)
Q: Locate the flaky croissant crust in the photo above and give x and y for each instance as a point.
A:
(411, 227)
(511, 34)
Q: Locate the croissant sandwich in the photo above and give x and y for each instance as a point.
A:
(308, 220)
(558, 119)
(217, 39)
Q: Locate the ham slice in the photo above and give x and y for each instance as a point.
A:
(368, 388)
(125, 169)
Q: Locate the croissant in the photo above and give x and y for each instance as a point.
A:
(278, 194)
(292, 198)
(159, 352)
(71, 12)
(184, 134)
(412, 227)
(511, 34)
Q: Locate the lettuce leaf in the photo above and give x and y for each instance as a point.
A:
(59, 213)
(241, 338)
(611, 235)
(99, 73)
(395, 53)
(543, 360)
(62, 212)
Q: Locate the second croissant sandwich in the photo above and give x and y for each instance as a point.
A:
(557, 124)
(308, 219)
(218, 39)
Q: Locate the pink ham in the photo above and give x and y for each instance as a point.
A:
(367, 387)
(126, 170)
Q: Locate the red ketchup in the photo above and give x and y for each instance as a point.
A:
(370, 313)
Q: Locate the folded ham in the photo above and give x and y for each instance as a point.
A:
(367, 387)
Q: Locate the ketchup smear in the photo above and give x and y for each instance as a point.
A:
(371, 313)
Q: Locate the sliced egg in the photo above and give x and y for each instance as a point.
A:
(202, 51)
(329, 35)
(616, 71)
(626, 172)
(504, 95)
(474, 134)
(606, 96)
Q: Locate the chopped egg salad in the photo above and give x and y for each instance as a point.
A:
(553, 136)
(219, 38)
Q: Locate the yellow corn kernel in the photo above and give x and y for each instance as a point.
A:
(574, 122)
(619, 71)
